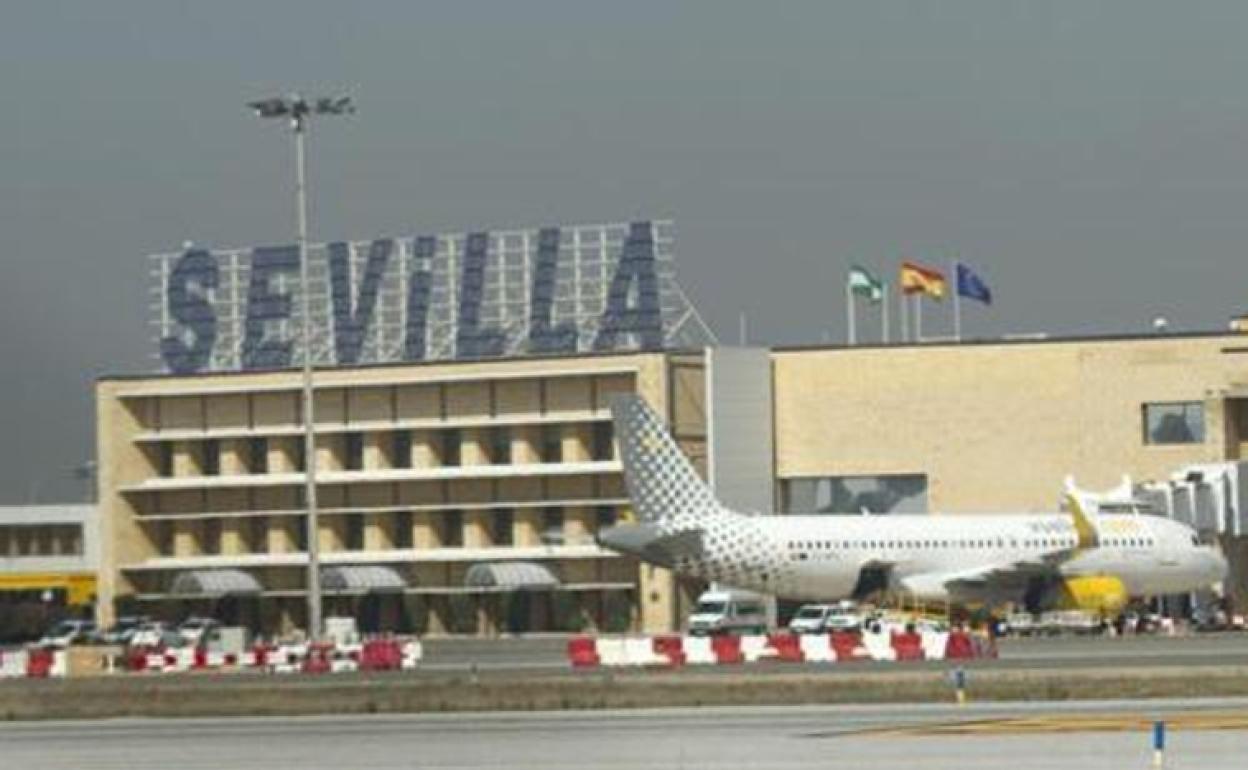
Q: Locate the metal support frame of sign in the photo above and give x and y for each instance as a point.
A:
(469, 295)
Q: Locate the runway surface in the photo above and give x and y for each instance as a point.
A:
(1209, 734)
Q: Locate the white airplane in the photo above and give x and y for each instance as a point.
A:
(1073, 560)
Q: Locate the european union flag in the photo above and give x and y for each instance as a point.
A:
(972, 286)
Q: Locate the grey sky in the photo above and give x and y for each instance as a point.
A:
(1088, 157)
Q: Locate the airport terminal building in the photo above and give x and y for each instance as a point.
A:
(461, 480)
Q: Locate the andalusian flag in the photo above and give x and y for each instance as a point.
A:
(866, 285)
(917, 279)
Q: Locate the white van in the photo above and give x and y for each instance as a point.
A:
(728, 612)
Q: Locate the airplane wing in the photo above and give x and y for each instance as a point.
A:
(1017, 575)
(1005, 578)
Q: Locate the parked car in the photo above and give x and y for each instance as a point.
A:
(121, 631)
(728, 612)
(1210, 619)
(196, 630)
(822, 618)
(68, 633)
(156, 635)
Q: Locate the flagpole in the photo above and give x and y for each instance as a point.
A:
(849, 311)
(918, 318)
(905, 319)
(884, 310)
(957, 305)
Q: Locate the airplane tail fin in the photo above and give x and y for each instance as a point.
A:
(1086, 531)
(662, 483)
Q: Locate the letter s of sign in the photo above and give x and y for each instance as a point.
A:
(192, 310)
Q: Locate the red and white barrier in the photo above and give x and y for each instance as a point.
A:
(387, 654)
(837, 647)
(382, 654)
(33, 663)
(12, 664)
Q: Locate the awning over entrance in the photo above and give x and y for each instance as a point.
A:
(214, 582)
(511, 576)
(361, 578)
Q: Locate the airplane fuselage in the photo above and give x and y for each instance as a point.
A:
(823, 557)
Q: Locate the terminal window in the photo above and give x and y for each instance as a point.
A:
(552, 444)
(895, 493)
(452, 529)
(603, 441)
(401, 449)
(164, 459)
(353, 449)
(403, 529)
(355, 533)
(501, 524)
(500, 446)
(552, 526)
(258, 455)
(210, 537)
(605, 517)
(450, 447)
(211, 457)
(1178, 422)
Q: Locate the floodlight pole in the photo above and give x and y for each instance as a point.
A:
(297, 110)
(298, 124)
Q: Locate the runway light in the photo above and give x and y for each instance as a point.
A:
(959, 685)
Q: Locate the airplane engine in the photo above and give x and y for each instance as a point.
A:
(1102, 594)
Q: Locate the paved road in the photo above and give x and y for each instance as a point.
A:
(717, 739)
(1061, 652)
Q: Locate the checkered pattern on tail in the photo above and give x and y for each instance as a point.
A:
(664, 487)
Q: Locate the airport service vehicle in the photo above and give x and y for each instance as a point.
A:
(67, 633)
(1080, 558)
(728, 612)
(822, 618)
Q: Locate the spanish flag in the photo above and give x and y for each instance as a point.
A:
(917, 279)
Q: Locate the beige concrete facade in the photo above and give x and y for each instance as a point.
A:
(431, 469)
(998, 426)
(426, 469)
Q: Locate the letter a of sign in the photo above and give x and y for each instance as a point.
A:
(644, 318)
(351, 326)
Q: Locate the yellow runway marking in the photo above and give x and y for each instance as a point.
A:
(1229, 720)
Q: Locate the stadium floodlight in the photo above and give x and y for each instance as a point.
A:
(297, 110)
